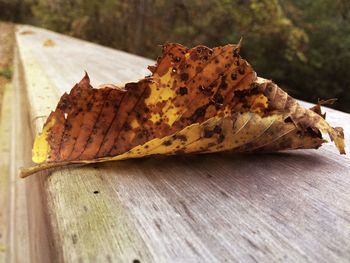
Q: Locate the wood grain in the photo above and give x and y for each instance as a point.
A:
(290, 206)
(14, 245)
(5, 139)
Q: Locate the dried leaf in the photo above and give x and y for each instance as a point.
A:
(49, 43)
(27, 32)
(197, 100)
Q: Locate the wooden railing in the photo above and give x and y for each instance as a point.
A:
(290, 206)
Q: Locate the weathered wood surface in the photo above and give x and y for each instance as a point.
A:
(5, 135)
(291, 206)
(14, 245)
(15, 148)
(4, 168)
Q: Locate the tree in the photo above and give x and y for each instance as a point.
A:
(303, 45)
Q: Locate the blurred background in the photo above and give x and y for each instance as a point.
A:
(303, 45)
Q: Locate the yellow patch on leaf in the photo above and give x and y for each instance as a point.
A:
(41, 147)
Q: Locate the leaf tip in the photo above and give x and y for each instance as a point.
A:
(85, 80)
(339, 139)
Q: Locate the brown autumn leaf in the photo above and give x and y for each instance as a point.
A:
(197, 100)
(49, 43)
(27, 32)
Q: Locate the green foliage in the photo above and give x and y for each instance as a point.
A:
(6, 72)
(324, 73)
(303, 45)
(139, 26)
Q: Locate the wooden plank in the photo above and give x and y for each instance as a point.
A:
(14, 246)
(6, 36)
(28, 236)
(292, 206)
(4, 168)
(18, 235)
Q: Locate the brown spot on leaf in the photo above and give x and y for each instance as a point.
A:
(184, 76)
